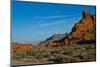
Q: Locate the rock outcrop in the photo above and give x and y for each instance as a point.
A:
(21, 47)
(54, 37)
(82, 32)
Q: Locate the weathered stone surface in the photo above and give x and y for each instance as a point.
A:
(82, 31)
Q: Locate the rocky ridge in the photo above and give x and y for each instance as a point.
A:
(82, 32)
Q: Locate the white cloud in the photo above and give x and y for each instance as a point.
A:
(83, 2)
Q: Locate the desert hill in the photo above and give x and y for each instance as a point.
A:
(82, 32)
(54, 37)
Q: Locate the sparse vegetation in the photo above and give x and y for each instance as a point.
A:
(60, 54)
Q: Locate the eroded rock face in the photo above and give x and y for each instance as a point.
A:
(21, 47)
(83, 31)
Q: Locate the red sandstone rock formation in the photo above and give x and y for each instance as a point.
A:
(82, 32)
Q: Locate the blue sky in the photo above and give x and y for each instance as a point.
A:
(33, 22)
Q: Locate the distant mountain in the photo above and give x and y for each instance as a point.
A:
(83, 32)
(54, 37)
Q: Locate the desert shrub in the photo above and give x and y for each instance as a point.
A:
(19, 55)
(62, 54)
(67, 51)
(63, 58)
(89, 46)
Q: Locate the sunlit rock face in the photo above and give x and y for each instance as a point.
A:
(82, 32)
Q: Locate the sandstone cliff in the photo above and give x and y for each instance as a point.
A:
(83, 32)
